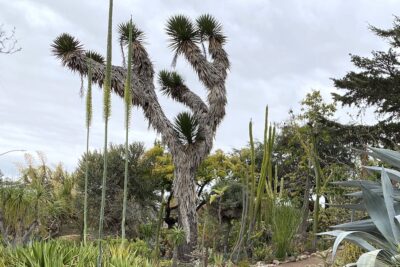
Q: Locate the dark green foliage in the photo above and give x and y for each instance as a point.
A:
(187, 127)
(285, 221)
(65, 44)
(180, 31)
(95, 56)
(169, 80)
(377, 82)
(123, 30)
(171, 83)
(209, 27)
(142, 187)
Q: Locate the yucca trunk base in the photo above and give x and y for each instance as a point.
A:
(185, 193)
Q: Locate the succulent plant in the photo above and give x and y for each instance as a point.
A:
(380, 234)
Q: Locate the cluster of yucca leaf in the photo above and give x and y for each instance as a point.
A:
(187, 127)
(181, 30)
(380, 234)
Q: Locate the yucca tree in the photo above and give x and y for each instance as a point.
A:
(128, 106)
(185, 38)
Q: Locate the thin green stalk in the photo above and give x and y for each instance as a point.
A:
(128, 103)
(158, 231)
(88, 123)
(103, 196)
(252, 173)
(107, 111)
(318, 177)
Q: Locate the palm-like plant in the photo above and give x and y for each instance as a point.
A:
(380, 234)
(184, 38)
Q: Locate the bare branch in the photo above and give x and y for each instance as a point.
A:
(8, 42)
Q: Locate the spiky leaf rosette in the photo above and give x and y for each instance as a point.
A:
(95, 56)
(171, 83)
(181, 33)
(187, 127)
(65, 45)
(123, 30)
(208, 27)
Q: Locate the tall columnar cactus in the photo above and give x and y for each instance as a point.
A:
(191, 138)
(128, 106)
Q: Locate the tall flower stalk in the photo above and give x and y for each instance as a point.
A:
(128, 103)
(107, 111)
(88, 124)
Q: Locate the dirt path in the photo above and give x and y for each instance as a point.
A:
(313, 261)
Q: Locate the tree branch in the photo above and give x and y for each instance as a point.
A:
(143, 90)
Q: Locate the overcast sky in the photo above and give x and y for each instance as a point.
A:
(279, 51)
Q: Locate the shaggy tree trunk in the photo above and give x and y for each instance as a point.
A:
(184, 189)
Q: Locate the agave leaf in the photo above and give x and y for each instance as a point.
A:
(370, 259)
(397, 217)
(351, 236)
(362, 225)
(357, 183)
(393, 174)
(389, 156)
(374, 204)
(388, 197)
(359, 194)
(358, 206)
(379, 191)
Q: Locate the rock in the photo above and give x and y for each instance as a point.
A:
(291, 258)
(276, 262)
(303, 257)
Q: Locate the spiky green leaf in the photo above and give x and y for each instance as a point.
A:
(209, 27)
(187, 127)
(375, 206)
(97, 57)
(180, 31)
(123, 30)
(64, 45)
(170, 82)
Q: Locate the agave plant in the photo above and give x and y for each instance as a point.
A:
(380, 234)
